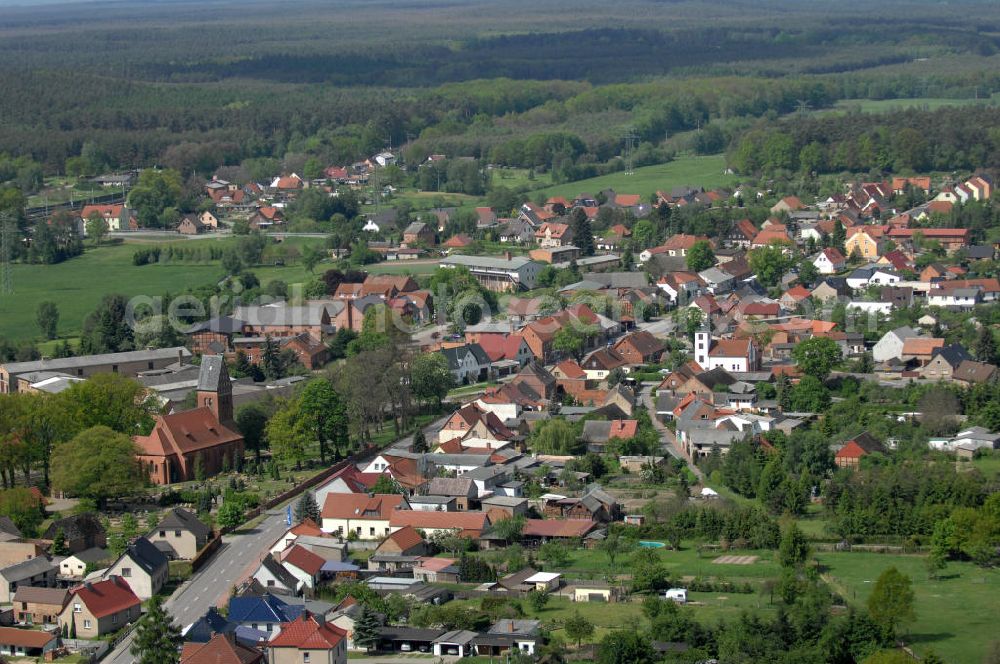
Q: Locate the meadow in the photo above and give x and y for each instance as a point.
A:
(956, 614)
(708, 172)
(77, 285)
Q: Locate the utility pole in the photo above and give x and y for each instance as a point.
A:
(803, 107)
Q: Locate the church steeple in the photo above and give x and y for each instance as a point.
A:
(215, 389)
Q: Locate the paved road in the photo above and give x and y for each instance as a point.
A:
(239, 555)
(236, 560)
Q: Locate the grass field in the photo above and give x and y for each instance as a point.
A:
(956, 615)
(708, 172)
(77, 285)
(987, 465)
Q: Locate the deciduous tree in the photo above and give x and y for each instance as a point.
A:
(99, 464)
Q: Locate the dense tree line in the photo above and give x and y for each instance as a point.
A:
(913, 140)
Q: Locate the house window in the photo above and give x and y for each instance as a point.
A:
(77, 608)
(371, 531)
(305, 658)
(270, 583)
(163, 533)
(177, 533)
(126, 572)
(86, 624)
(114, 368)
(149, 365)
(114, 619)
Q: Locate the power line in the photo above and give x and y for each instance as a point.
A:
(7, 287)
(629, 137)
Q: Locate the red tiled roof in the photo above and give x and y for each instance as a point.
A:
(623, 429)
(930, 233)
(471, 523)
(221, 649)
(103, 210)
(304, 559)
(307, 527)
(628, 200)
(457, 241)
(360, 506)
(683, 241)
(24, 638)
(730, 348)
(921, 345)
(571, 369)
(308, 632)
(406, 538)
(851, 451)
(555, 230)
(105, 597)
(185, 432)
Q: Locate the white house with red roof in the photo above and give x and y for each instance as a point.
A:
(734, 355)
(829, 261)
(365, 516)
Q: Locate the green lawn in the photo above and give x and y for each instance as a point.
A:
(77, 285)
(956, 615)
(707, 172)
(987, 465)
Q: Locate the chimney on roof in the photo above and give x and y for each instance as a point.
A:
(507, 255)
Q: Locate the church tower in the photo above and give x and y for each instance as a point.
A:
(215, 389)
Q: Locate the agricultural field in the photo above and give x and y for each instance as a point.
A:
(708, 172)
(956, 614)
(77, 285)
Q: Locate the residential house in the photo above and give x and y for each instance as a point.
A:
(271, 574)
(418, 233)
(96, 609)
(263, 613)
(864, 242)
(944, 362)
(39, 606)
(308, 639)
(468, 364)
(220, 649)
(368, 517)
(303, 564)
(787, 204)
(78, 565)
(180, 535)
(640, 348)
(404, 542)
(849, 455)
(143, 566)
(969, 373)
(190, 224)
(598, 433)
(461, 490)
(829, 261)
(552, 234)
(737, 355)
(14, 549)
(601, 362)
(39, 572)
(27, 643)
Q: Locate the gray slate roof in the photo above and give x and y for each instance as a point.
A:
(180, 519)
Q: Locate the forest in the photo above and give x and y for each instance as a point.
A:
(551, 87)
